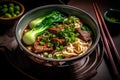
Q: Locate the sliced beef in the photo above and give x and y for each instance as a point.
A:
(41, 48)
(56, 30)
(61, 41)
(84, 35)
(38, 38)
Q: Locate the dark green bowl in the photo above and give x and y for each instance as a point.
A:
(70, 10)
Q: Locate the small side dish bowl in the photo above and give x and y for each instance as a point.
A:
(112, 20)
(10, 11)
(112, 16)
(67, 10)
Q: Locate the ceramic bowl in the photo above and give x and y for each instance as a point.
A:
(67, 9)
(112, 19)
(4, 19)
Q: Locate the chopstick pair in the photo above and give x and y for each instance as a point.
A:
(103, 27)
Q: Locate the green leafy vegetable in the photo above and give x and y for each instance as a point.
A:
(111, 19)
(36, 21)
(52, 18)
(60, 56)
(71, 19)
(69, 34)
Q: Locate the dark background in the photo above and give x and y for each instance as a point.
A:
(9, 72)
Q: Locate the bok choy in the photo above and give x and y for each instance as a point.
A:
(46, 22)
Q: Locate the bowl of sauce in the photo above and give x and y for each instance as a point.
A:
(112, 16)
(112, 20)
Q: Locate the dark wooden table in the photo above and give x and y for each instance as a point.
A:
(7, 37)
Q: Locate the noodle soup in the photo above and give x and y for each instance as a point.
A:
(67, 38)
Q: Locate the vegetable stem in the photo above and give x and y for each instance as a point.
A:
(45, 23)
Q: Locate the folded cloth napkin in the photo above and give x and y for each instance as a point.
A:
(7, 40)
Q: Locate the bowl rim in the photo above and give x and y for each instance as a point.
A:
(111, 10)
(59, 60)
(20, 14)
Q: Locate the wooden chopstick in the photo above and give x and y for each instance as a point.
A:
(97, 13)
(109, 36)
